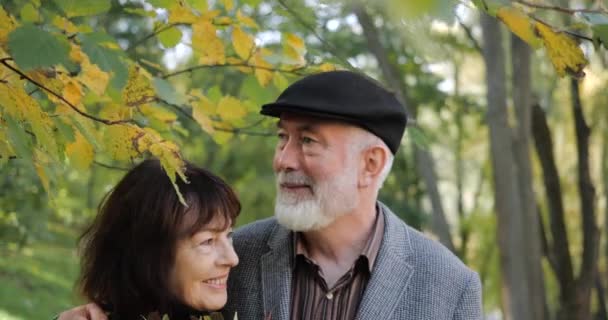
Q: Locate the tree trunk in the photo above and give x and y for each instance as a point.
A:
(558, 254)
(586, 279)
(424, 160)
(511, 235)
(521, 84)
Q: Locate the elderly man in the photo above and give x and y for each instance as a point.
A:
(333, 251)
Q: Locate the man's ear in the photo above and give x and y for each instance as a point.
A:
(373, 161)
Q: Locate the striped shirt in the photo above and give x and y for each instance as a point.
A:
(311, 298)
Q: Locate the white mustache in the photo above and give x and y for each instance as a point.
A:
(295, 178)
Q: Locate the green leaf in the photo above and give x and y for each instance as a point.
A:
(18, 139)
(200, 5)
(32, 48)
(166, 91)
(170, 37)
(599, 25)
(161, 3)
(29, 13)
(107, 59)
(601, 32)
(78, 8)
(66, 130)
(214, 94)
(252, 3)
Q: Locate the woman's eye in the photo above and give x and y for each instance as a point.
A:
(281, 136)
(206, 242)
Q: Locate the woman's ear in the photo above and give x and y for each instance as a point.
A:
(373, 161)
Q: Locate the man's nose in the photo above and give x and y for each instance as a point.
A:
(287, 157)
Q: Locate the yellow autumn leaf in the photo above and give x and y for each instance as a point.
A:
(246, 20)
(296, 43)
(168, 154)
(138, 90)
(158, 113)
(120, 141)
(80, 152)
(76, 54)
(94, 78)
(279, 81)
(206, 43)
(520, 24)
(293, 57)
(222, 21)
(201, 112)
(6, 150)
(228, 4)
(210, 15)
(180, 13)
(262, 69)
(243, 43)
(327, 67)
(114, 112)
(236, 62)
(7, 25)
(24, 108)
(566, 56)
(230, 108)
(44, 178)
(72, 92)
(222, 137)
(64, 24)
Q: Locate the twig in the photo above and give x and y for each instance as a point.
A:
(469, 33)
(241, 130)
(4, 61)
(295, 71)
(107, 166)
(154, 33)
(330, 47)
(557, 8)
(576, 35)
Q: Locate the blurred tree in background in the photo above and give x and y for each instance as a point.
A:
(503, 161)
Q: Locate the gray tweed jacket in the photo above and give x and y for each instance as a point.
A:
(413, 277)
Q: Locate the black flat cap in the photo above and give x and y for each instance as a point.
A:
(346, 96)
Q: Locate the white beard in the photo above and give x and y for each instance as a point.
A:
(331, 198)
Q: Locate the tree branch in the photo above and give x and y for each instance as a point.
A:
(241, 130)
(557, 8)
(107, 166)
(330, 47)
(469, 33)
(4, 61)
(295, 71)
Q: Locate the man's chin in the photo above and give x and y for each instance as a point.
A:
(297, 220)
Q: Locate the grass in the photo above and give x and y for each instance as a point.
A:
(37, 281)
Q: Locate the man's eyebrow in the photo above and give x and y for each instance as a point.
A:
(303, 127)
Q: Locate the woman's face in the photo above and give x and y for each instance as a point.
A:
(202, 262)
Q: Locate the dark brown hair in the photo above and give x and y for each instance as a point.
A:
(129, 250)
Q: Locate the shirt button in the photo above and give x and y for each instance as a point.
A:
(329, 296)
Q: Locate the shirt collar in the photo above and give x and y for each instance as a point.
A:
(369, 252)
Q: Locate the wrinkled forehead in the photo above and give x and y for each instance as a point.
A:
(311, 123)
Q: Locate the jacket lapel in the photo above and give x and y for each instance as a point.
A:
(276, 274)
(392, 271)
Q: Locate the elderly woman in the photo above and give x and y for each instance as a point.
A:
(147, 254)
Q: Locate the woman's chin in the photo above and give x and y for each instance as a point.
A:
(211, 303)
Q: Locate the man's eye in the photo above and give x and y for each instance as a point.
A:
(281, 136)
(306, 140)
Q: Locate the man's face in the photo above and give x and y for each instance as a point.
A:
(316, 172)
